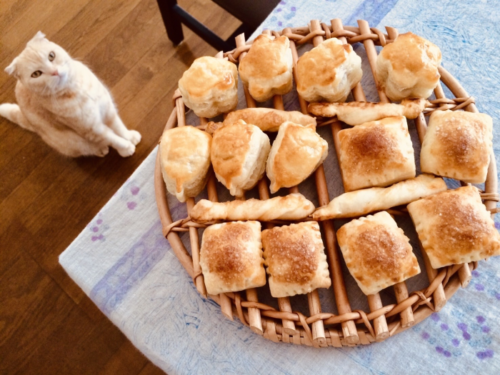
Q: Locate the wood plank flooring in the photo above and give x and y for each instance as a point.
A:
(47, 324)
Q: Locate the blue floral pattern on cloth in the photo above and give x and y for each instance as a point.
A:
(127, 268)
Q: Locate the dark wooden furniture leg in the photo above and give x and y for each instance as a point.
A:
(171, 20)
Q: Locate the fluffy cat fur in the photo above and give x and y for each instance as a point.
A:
(61, 100)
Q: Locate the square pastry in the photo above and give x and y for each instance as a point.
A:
(231, 257)
(454, 227)
(458, 145)
(377, 252)
(377, 153)
(295, 259)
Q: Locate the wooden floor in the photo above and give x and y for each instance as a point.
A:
(47, 324)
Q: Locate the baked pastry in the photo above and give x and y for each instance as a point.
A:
(362, 202)
(328, 72)
(357, 113)
(267, 68)
(377, 252)
(377, 153)
(239, 154)
(296, 153)
(267, 119)
(185, 159)
(210, 86)
(295, 259)
(458, 145)
(454, 227)
(291, 207)
(408, 68)
(231, 257)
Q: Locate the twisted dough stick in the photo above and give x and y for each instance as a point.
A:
(361, 202)
(290, 207)
(356, 113)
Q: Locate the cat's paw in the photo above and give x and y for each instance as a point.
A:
(134, 136)
(102, 151)
(127, 150)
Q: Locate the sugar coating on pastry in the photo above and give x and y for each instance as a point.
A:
(377, 153)
(185, 159)
(458, 145)
(296, 153)
(231, 257)
(454, 227)
(267, 68)
(295, 259)
(408, 68)
(364, 201)
(328, 72)
(210, 86)
(268, 119)
(377, 252)
(239, 154)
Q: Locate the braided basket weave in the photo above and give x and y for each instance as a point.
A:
(319, 328)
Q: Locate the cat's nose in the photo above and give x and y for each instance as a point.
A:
(55, 73)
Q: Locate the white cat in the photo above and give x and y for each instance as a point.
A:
(61, 100)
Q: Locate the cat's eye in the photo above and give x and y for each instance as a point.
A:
(36, 74)
(52, 56)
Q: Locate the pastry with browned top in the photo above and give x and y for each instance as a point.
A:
(408, 68)
(185, 159)
(268, 119)
(458, 145)
(239, 154)
(267, 68)
(296, 153)
(328, 72)
(231, 257)
(210, 86)
(295, 259)
(454, 227)
(377, 252)
(377, 153)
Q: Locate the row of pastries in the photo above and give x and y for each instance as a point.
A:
(376, 159)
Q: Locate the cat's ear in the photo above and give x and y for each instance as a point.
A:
(12, 68)
(39, 36)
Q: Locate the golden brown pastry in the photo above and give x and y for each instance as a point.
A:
(328, 72)
(377, 252)
(362, 202)
(267, 68)
(295, 259)
(185, 159)
(454, 227)
(458, 145)
(267, 119)
(377, 153)
(290, 207)
(408, 68)
(296, 153)
(231, 257)
(239, 154)
(210, 86)
(357, 113)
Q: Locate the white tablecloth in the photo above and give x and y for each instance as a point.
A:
(127, 268)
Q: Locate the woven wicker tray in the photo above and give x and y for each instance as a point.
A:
(319, 328)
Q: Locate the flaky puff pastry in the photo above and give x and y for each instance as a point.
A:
(328, 72)
(210, 86)
(377, 252)
(408, 68)
(185, 159)
(454, 227)
(231, 257)
(239, 154)
(267, 68)
(458, 145)
(295, 259)
(296, 153)
(377, 153)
